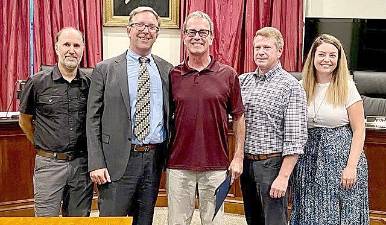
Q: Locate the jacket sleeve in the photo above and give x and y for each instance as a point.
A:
(96, 159)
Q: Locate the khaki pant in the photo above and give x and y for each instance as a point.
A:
(181, 188)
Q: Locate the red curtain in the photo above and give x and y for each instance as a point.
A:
(287, 16)
(49, 17)
(52, 15)
(227, 16)
(236, 22)
(14, 48)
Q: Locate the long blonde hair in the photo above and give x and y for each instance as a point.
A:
(337, 91)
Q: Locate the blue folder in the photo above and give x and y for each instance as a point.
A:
(221, 193)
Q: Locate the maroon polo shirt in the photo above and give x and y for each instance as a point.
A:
(202, 102)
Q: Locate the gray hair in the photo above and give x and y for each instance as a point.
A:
(143, 9)
(199, 14)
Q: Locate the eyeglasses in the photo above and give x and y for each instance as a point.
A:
(201, 33)
(141, 27)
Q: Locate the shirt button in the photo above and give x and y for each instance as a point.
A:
(71, 128)
(69, 100)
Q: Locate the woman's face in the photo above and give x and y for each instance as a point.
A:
(326, 59)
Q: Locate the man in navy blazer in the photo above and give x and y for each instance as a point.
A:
(127, 168)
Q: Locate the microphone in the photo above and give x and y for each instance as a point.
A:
(20, 84)
(20, 88)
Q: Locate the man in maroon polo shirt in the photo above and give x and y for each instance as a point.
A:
(204, 93)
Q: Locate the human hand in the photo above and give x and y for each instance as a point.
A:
(349, 177)
(279, 187)
(100, 176)
(236, 168)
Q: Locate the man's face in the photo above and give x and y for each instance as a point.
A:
(69, 49)
(266, 54)
(143, 31)
(197, 36)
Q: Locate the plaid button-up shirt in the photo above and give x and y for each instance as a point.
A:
(275, 112)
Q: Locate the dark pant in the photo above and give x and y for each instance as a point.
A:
(59, 180)
(256, 180)
(136, 192)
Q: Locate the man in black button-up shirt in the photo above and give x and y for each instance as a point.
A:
(52, 115)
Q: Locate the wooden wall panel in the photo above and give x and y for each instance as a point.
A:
(375, 150)
(16, 170)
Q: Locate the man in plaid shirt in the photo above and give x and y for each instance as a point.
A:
(276, 131)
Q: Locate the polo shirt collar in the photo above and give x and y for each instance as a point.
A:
(212, 67)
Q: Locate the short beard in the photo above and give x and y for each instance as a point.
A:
(71, 65)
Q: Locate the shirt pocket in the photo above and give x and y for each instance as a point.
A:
(50, 105)
(273, 105)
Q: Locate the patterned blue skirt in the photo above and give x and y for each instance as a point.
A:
(318, 197)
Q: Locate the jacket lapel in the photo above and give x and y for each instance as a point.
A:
(121, 71)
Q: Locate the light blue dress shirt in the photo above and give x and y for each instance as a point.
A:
(157, 132)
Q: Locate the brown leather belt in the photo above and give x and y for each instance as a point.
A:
(57, 155)
(143, 148)
(259, 157)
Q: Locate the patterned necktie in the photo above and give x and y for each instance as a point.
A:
(142, 107)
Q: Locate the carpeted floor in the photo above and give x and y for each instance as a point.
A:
(161, 216)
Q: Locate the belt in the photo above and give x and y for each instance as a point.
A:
(68, 156)
(259, 157)
(143, 148)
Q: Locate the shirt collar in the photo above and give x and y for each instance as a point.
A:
(130, 55)
(268, 75)
(212, 67)
(56, 74)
